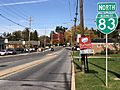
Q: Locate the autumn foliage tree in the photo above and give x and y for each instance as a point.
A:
(21, 35)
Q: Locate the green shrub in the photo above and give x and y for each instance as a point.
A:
(109, 52)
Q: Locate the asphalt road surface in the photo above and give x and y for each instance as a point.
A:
(50, 70)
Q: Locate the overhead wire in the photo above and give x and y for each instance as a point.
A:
(3, 27)
(20, 10)
(70, 12)
(11, 20)
(15, 12)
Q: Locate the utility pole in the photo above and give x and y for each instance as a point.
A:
(82, 34)
(81, 18)
(45, 39)
(30, 21)
(75, 19)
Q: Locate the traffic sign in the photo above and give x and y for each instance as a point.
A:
(106, 7)
(106, 22)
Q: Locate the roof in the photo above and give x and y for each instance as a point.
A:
(102, 40)
(26, 42)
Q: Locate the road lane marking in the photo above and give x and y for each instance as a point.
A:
(17, 69)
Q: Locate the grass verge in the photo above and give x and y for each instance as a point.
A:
(95, 79)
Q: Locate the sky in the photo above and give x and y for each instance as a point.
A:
(46, 14)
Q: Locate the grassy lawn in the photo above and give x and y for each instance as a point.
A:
(114, 55)
(95, 79)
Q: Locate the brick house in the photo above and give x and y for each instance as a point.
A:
(57, 38)
(98, 45)
(20, 44)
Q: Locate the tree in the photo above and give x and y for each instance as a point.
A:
(31, 36)
(68, 35)
(25, 34)
(17, 35)
(44, 40)
(35, 35)
(9, 36)
(61, 29)
(118, 26)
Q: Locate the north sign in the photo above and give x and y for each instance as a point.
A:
(106, 7)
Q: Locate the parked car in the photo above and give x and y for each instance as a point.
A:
(3, 52)
(19, 50)
(52, 49)
(76, 48)
(11, 51)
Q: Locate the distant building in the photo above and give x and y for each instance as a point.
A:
(22, 44)
(57, 38)
(99, 45)
(2, 45)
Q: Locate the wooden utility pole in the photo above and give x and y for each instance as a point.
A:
(81, 18)
(82, 34)
(45, 38)
(30, 21)
(84, 59)
(75, 19)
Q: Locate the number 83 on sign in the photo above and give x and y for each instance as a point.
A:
(106, 23)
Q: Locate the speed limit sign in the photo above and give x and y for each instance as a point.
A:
(106, 23)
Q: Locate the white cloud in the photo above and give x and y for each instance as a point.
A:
(20, 3)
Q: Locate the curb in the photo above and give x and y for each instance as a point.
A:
(73, 77)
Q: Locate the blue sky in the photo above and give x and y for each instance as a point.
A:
(46, 14)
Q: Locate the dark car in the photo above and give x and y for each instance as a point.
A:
(19, 50)
(76, 48)
(52, 49)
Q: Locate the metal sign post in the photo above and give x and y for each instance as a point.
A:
(106, 59)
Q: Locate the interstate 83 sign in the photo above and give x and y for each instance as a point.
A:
(106, 23)
(106, 19)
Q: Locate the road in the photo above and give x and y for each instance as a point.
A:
(41, 71)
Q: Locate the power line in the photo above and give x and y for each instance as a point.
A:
(70, 8)
(14, 11)
(77, 8)
(20, 10)
(11, 20)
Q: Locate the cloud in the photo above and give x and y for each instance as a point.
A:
(20, 3)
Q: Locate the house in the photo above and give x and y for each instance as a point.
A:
(57, 38)
(99, 45)
(2, 45)
(22, 44)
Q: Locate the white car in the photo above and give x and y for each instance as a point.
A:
(3, 52)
